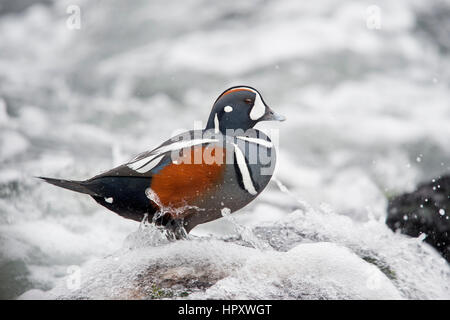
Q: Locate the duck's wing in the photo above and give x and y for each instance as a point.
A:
(150, 162)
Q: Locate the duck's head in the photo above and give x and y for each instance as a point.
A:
(240, 107)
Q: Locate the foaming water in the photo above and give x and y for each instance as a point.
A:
(245, 233)
(354, 261)
(176, 229)
(147, 235)
(362, 105)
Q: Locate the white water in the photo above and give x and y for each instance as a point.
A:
(362, 106)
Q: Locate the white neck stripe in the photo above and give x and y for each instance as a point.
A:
(243, 168)
(216, 124)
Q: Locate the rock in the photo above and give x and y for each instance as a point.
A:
(320, 270)
(309, 254)
(168, 270)
(424, 211)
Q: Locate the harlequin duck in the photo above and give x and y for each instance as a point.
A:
(196, 176)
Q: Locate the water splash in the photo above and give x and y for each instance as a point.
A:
(144, 222)
(304, 206)
(174, 229)
(245, 232)
(147, 235)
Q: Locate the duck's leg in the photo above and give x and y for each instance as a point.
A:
(176, 230)
(144, 221)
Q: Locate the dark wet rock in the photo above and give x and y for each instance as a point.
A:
(156, 272)
(178, 281)
(424, 211)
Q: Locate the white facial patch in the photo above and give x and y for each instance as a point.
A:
(258, 109)
(228, 109)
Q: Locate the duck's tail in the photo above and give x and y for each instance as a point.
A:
(77, 186)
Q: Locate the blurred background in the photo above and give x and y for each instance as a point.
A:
(364, 86)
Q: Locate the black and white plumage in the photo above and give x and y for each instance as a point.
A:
(193, 177)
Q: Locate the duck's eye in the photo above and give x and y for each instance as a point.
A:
(248, 101)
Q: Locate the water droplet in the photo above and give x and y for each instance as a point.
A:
(422, 236)
(225, 212)
(109, 200)
(441, 212)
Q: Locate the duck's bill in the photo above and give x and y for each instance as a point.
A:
(271, 115)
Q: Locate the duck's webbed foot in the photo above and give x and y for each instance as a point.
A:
(173, 228)
(176, 230)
